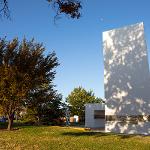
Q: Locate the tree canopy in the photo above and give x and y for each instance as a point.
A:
(23, 71)
(44, 107)
(78, 98)
(69, 7)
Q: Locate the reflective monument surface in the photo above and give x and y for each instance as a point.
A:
(126, 80)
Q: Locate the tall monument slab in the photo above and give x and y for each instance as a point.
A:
(126, 80)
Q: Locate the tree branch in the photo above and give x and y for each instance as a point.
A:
(4, 9)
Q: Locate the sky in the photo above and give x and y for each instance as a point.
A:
(77, 43)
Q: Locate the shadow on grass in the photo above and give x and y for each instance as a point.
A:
(126, 136)
(97, 134)
(18, 125)
(3, 126)
(86, 134)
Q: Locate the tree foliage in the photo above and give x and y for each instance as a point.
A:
(68, 7)
(4, 9)
(78, 98)
(23, 70)
(44, 107)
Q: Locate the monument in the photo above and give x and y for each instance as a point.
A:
(126, 80)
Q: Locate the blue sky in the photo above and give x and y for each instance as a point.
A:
(77, 43)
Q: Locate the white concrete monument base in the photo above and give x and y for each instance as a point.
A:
(126, 80)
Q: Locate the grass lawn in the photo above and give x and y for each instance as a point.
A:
(68, 138)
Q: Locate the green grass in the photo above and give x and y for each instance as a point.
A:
(65, 138)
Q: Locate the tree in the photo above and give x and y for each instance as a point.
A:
(68, 7)
(1, 111)
(44, 106)
(23, 70)
(78, 98)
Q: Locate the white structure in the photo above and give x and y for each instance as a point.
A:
(76, 118)
(95, 115)
(126, 80)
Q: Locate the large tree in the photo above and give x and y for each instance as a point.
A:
(23, 70)
(68, 7)
(78, 98)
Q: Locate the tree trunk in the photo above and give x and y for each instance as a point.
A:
(10, 121)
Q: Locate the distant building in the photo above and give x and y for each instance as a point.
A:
(74, 119)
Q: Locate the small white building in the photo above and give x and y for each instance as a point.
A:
(95, 115)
